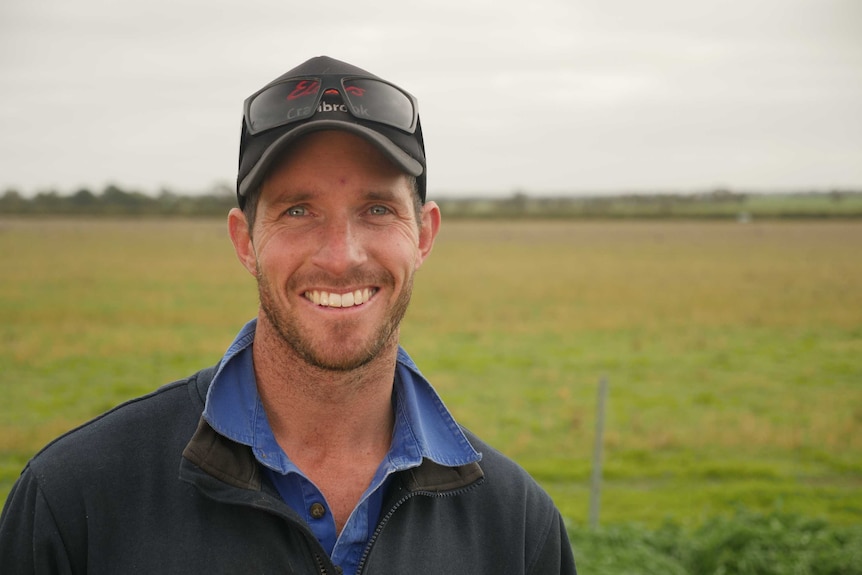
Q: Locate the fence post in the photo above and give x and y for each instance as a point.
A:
(598, 455)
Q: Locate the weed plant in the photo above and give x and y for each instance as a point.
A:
(745, 543)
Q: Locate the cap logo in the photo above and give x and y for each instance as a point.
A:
(301, 112)
(342, 107)
(327, 107)
(304, 88)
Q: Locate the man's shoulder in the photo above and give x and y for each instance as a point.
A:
(505, 477)
(492, 458)
(162, 419)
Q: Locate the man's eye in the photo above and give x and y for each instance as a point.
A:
(296, 211)
(378, 210)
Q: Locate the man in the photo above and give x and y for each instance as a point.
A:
(315, 445)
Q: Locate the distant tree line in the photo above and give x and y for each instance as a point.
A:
(114, 201)
(712, 204)
(718, 203)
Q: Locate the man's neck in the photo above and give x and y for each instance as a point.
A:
(319, 413)
(335, 426)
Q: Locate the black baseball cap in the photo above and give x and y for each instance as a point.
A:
(327, 94)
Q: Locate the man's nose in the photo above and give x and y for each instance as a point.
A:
(341, 246)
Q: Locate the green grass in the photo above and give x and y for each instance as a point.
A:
(733, 352)
(744, 543)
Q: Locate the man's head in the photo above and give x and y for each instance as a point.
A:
(338, 224)
(327, 94)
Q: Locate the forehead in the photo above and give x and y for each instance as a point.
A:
(329, 162)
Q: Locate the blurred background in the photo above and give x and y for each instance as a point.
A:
(546, 96)
(665, 196)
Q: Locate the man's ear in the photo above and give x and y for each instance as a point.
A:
(428, 232)
(240, 235)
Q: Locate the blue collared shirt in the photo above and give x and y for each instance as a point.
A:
(424, 429)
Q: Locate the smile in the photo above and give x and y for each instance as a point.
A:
(349, 299)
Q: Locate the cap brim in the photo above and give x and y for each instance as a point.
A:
(273, 152)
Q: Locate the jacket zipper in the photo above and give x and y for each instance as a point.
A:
(385, 519)
(266, 507)
(379, 528)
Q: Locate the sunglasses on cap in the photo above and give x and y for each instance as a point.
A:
(298, 99)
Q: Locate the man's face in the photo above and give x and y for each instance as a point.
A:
(334, 248)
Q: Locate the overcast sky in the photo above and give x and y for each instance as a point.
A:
(537, 95)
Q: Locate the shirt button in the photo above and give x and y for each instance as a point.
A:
(317, 510)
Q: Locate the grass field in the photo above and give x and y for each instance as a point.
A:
(733, 351)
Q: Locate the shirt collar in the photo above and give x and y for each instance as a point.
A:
(424, 428)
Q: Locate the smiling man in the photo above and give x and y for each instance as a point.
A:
(315, 445)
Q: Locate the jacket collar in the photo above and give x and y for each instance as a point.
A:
(234, 464)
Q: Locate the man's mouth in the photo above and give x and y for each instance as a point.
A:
(332, 299)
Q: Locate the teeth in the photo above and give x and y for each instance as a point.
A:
(349, 299)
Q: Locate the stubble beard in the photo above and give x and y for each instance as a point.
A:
(314, 353)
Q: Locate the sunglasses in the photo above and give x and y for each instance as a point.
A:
(298, 99)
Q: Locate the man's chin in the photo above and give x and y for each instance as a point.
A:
(337, 361)
(340, 352)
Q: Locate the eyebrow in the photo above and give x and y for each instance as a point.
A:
(383, 196)
(291, 198)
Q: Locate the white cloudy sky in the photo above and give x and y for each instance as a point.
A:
(541, 95)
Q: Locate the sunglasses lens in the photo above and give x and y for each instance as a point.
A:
(377, 101)
(286, 102)
(297, 100)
